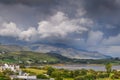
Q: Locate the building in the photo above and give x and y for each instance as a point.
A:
(26, 77)
(21, 75)
(13, 68)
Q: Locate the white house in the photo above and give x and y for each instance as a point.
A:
(13, 68)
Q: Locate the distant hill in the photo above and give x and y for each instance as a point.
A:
(12, 48)
(66, 52)
(69, 52)
(45, 54)
(26, 57)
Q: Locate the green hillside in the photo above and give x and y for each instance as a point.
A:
(21, 55)
(28, 57)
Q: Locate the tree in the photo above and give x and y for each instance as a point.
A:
(42, 76)
(102, 75)
(76, 73)
(57, 75)
(50, 70)
(8, 72)
(116, 75)
(108, 67)
(59, 78)
(66, 73)
(90, 77)
(83, 72)
(79, 78)
(4, 76)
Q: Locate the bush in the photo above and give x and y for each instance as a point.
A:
(50, 70)
(76, 73)
(90, 77)
(5, 78)
(59, 78)
(102, 75)
(56, 74)
(66, 74)
(8, 72)
(92, 72)
(42, 76)
(116, 75)
(80, 78)
(86, 77)
(83, 72)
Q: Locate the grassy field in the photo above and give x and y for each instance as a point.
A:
(107, 79)
(96, 79)
(68, 79)
(36, 71)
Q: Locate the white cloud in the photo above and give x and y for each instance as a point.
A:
(60, 25)
(12, 30)
(9, 29)
(28, 35)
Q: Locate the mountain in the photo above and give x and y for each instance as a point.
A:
(68, 52)
(39, 54)
(27, 57)
(12, 48)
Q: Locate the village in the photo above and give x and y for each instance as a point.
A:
(18, 73)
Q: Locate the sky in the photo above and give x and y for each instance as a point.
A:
(91, 25)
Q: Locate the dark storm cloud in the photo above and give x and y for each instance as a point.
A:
(30, 2)
(96, 5)
(92, 6)
(105, 15)
(103, 10)
(26, 12)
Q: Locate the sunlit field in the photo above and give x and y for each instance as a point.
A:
(34, 71)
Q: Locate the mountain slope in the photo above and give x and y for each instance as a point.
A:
(68, 52)
(13, 48)
(32, 57)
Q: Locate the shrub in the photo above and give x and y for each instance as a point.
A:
(66, 74)
(116, 75)
(59, 78)
(76, 73)
(90, 77)
(80, 78)
(102, 75)
(83, 72)
(50, 70)
(42, 76)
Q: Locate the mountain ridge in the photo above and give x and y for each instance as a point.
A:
(67, 52)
